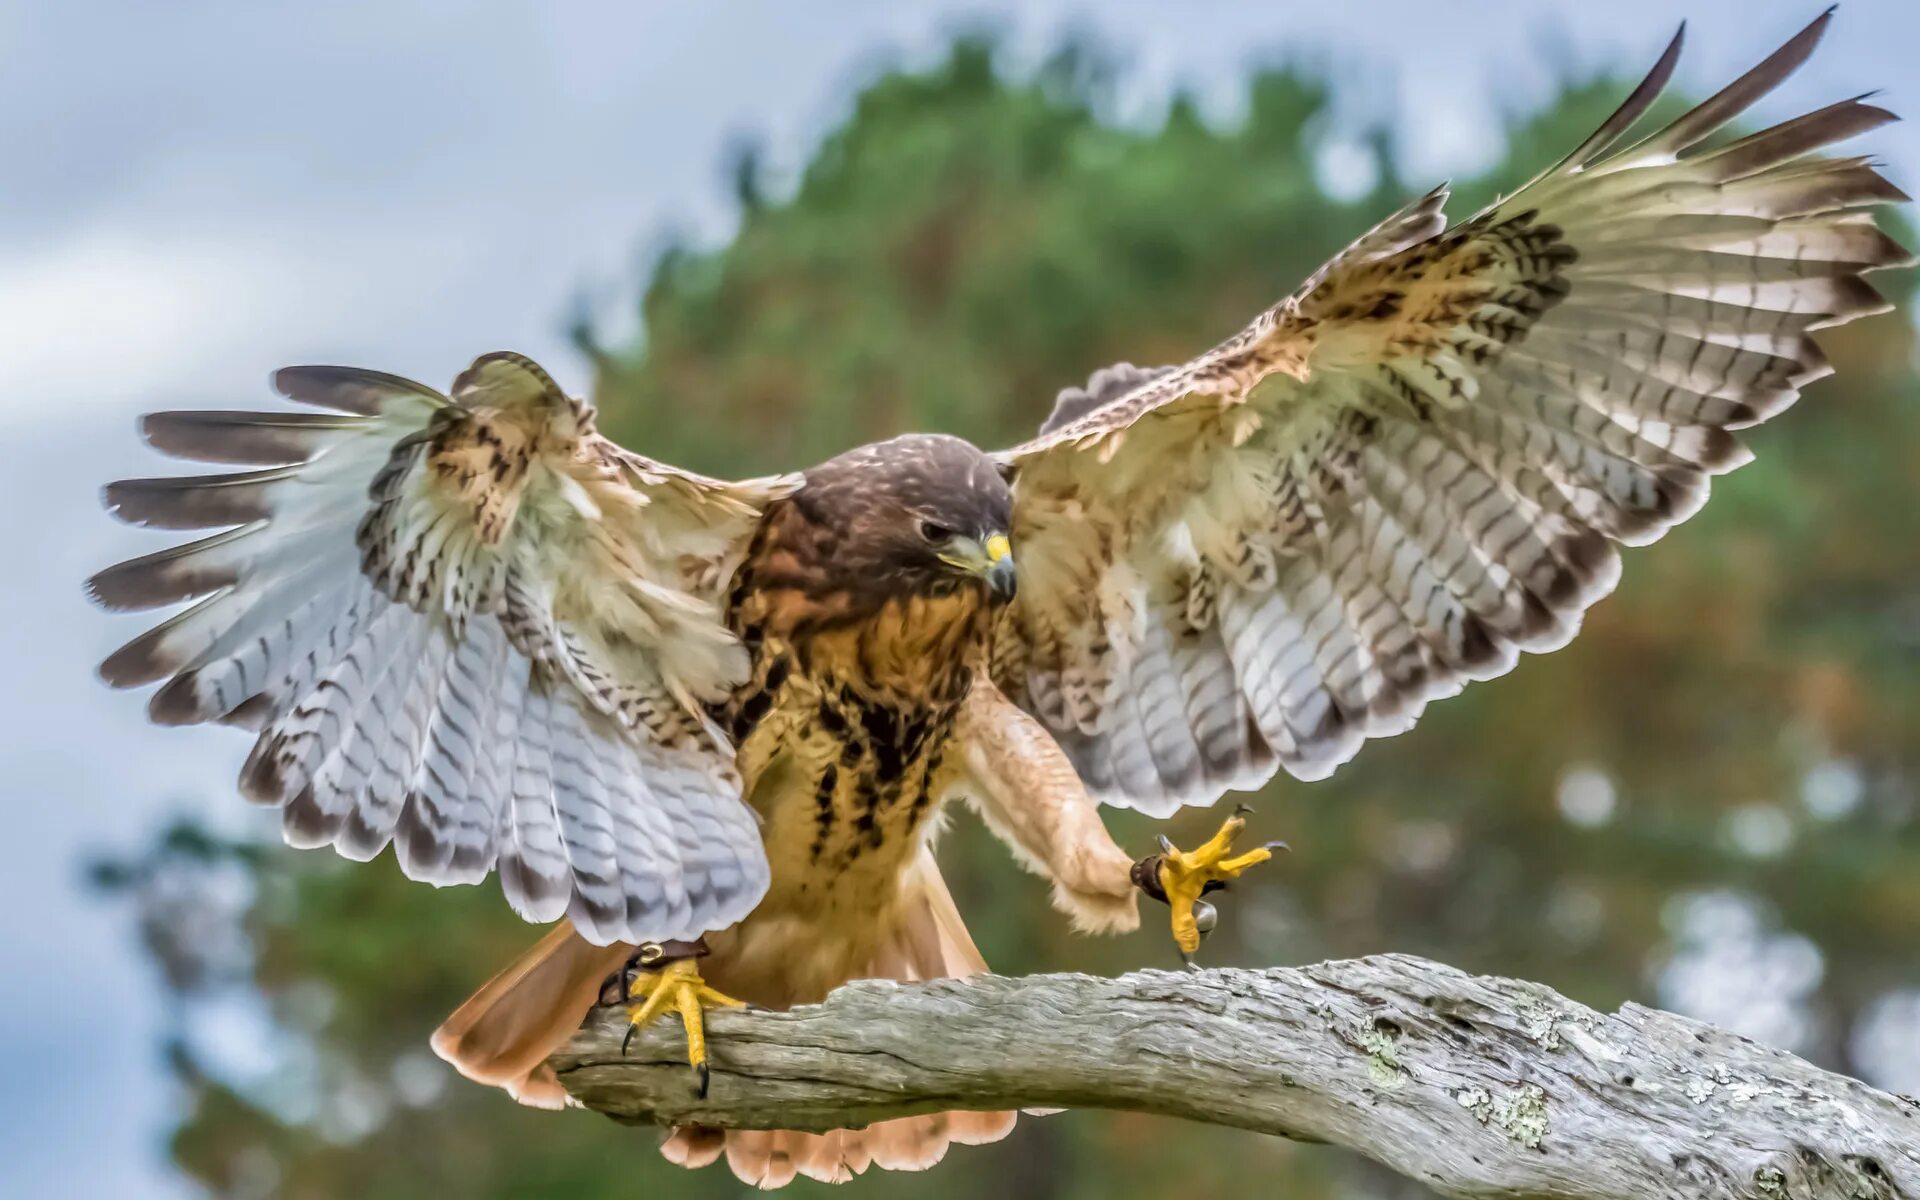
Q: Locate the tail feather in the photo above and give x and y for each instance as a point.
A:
(694, 1146)
(930, 942)
(504, 1034)
(842, 1154)
(773, 1158)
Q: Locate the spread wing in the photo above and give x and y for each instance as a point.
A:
(1421, 463)
(469, 626)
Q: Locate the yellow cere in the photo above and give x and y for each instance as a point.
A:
(998, 547)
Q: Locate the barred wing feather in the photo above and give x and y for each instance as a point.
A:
(1421, 463)
(468, 626)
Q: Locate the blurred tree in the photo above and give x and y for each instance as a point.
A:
(1709, 798)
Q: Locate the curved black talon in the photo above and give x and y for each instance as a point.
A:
(703, 1078)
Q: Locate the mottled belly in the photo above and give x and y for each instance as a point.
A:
(842, 733)
(840, 842)
(843, 817)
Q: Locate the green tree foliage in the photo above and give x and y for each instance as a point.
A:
(1737, 724)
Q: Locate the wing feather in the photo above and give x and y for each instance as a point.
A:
(466, 626)
(1419, 465)
(431, 820)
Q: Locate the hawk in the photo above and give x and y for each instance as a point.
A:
(710, 724)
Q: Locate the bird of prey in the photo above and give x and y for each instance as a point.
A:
(710, 724)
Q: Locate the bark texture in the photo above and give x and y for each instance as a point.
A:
(1477, 1086)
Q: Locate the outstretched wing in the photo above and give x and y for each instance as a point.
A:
(1420, 464)
(466, 625)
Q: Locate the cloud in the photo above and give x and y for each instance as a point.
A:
(106, 311)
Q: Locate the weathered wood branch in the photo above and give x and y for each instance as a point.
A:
(1477, 1086)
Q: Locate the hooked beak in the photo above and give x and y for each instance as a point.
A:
(1000, 573)
(990, 559)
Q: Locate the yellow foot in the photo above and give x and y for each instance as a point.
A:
(1184, 876)
(675, 987)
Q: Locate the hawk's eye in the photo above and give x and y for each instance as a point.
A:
(933, 532)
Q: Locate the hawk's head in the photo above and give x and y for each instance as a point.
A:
(922, 515)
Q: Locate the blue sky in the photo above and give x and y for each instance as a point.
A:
(196, 193)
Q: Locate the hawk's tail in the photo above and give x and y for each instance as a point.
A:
(504, 1034)
(930, 942)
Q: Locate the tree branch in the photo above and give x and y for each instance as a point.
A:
(1477, 1086)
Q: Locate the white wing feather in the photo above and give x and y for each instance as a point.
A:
(468, 627)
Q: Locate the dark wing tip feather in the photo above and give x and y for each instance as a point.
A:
(121, 587)
(320, 385)
(145, 658)
(1850, 298)
(251, 713)
(1874, 250)
(347, 389)
(1633, 107)
(166, 576)
(262, 780)
(129, 667)
(192, 502)
(304, 823)
(1789, 140)
(1730, 101)
(254, 438)
(174, 703)
(1720, 450)
(361, 838)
